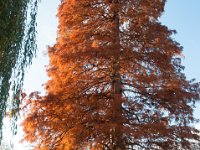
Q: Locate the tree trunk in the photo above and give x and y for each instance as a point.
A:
(117, 140)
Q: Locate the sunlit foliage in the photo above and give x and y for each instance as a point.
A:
(17, 48)
(116, 82)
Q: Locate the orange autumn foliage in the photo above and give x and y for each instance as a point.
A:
(116, 82)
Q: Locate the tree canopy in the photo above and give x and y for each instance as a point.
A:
(17, 48)
(116, 82)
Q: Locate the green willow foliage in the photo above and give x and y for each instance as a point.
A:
(17, 48)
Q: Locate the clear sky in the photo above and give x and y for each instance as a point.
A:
(181, 15)
(184, 17)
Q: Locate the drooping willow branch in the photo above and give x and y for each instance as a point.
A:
(17, 48)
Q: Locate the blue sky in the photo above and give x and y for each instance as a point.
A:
(181, 15)
(184, 17)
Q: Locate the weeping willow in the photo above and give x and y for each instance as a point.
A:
(17, 48)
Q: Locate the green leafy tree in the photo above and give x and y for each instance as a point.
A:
(17, 48)
(116, 82)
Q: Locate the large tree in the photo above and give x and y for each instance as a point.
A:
(17, 47)
(116, 81)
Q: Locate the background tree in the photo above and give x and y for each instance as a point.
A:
(116, 81)
(6, 146)
(17, 48)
